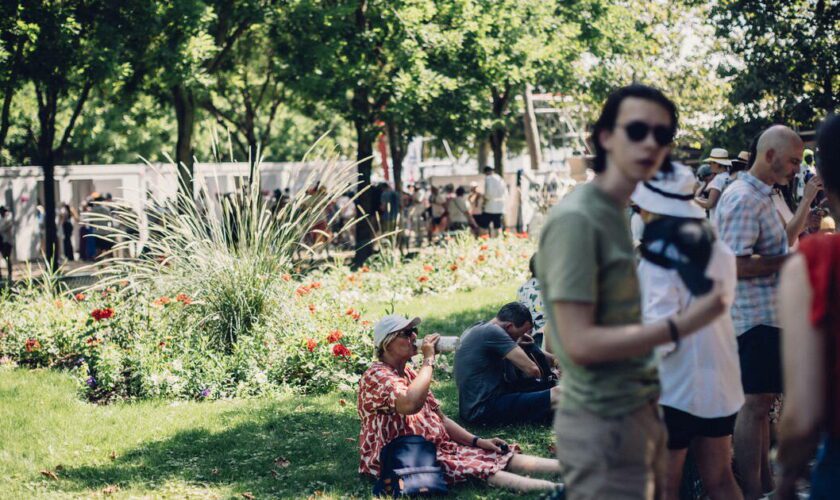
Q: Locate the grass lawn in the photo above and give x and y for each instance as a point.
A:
(53, 445)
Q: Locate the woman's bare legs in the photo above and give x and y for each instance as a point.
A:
(526, 464)
(511, 481)
(529, 464)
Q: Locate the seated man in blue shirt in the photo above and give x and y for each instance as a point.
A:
(486, 350)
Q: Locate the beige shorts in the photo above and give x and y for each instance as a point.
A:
(615, 458)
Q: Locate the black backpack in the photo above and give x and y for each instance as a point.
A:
(516, 381)
(409, 467)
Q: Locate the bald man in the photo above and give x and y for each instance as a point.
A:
(748, 223)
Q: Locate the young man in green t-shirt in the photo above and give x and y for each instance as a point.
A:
(610, 437)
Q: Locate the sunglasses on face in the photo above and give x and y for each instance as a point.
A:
(637, 131)
(407, 333)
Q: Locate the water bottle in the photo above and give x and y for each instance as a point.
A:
(444, 344)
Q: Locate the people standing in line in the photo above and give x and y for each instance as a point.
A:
(7, 238)
(611, 442)
(437, 209)
(719, 162)
(750, 225)
(458, 208)
(416, 212)
(495, 197)
(700, 376)
(476, 199)
(67, 217)
(810, 321)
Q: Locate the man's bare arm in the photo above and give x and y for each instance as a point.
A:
(587, 343)
(755, 266)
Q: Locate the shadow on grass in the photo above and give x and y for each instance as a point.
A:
(278, 451)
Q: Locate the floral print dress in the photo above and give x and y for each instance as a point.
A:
(379, 388)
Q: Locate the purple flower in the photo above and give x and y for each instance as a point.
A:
(205, 392)
(91, 382)
(79, 361)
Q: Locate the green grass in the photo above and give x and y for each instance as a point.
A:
(286, 446)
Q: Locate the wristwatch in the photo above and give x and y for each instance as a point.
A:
(429, 362)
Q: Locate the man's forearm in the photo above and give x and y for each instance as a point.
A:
(756, 266)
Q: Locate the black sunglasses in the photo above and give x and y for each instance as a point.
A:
(407, 332)
(637, 131)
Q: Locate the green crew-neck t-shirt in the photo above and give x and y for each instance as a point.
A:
(586, 256)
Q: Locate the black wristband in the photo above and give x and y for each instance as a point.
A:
(475, 441)
(675, 333)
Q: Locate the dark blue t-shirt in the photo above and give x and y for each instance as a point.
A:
(479, 367)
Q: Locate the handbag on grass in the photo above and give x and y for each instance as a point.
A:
(409, 467)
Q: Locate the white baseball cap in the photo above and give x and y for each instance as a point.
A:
(390, 324)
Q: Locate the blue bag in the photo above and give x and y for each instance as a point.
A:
(409, 467)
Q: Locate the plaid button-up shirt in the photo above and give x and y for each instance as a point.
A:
(748, 223)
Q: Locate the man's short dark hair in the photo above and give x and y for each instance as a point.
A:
(609, 115)
(488, 168)
(828, 153)
(516, 313)
(532, 265)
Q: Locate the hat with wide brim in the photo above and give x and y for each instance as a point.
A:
(670, 193)
(390, 324)
(719, 155)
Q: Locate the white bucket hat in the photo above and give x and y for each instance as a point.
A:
(670, 193)
(390, 324)
(720, 155)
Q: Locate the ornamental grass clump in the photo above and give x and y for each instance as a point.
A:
(226, 253)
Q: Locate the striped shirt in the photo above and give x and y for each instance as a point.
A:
(748, 223)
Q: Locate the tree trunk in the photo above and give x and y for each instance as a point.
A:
(47, 109)
(532, 135)
(483, 154)
(365, 202)
(397, 147)
(8, 94)
(497, 142)
(185, 115)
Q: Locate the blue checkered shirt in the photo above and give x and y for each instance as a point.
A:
(749, 224)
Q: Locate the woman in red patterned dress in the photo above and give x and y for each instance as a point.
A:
(394, 401)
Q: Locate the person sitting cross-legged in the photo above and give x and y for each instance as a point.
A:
(395, 400)
(483, 363)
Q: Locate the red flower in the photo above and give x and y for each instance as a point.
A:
(100, 314)
(58, 303)
(162, 301)
(340, 350)
(351, 278)
(484, 247)
(423, 279)
(334, 336)
(485, 236)
(312, 308)
(184, 299)
(453, 267)
(302, 290)
(365, 269)
(32, 345)
(428, 268)
(365, 323)
(522, 236)
(93, 341)
(162, 344)
(80, 297)
(311, 344)
(482, 258)
(286, 277)
(315, 285)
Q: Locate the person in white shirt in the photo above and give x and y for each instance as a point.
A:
(700, 375)
(720, 163)
(495, 195)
